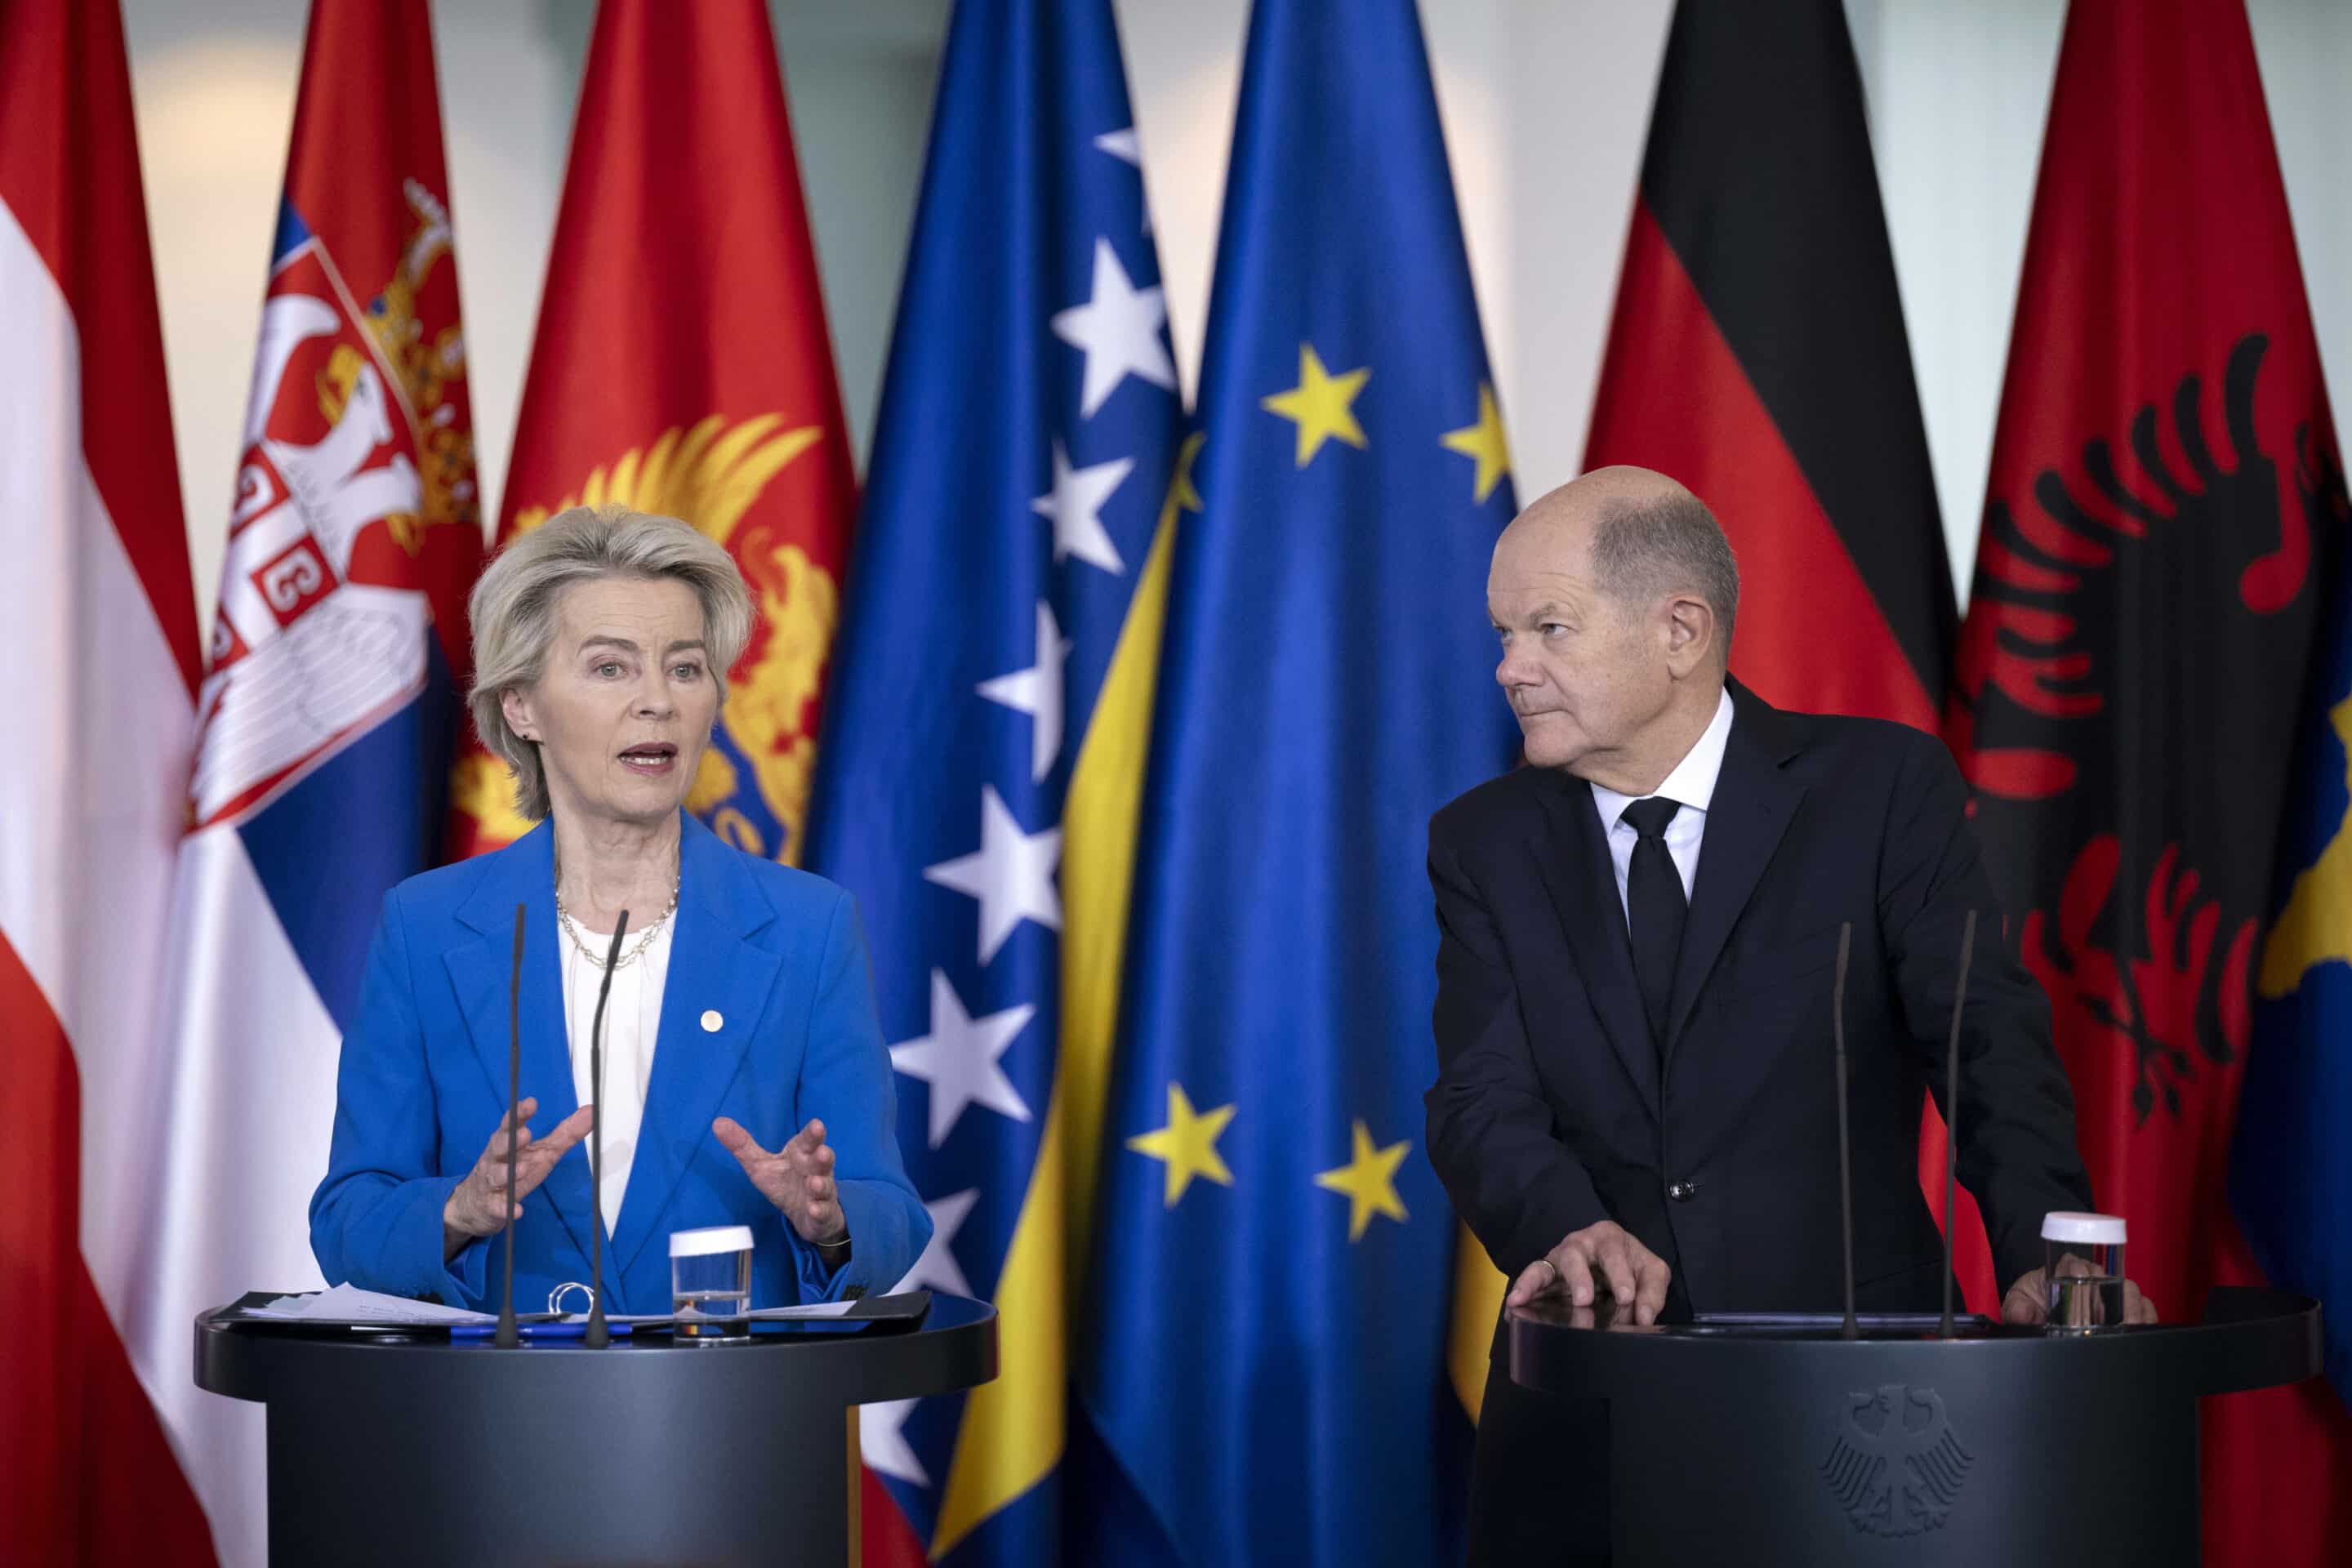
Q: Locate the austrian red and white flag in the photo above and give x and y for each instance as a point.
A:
(94, 592)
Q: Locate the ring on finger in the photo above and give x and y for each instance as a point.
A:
(1548, 1263)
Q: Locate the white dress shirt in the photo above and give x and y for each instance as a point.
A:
(631, 1019)
(1691, 785)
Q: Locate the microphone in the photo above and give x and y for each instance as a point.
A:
(598, 1335)
(509, 1336)
(1845, 1150)
(1952, 1112)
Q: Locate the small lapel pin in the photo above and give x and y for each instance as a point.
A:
(712, 1021)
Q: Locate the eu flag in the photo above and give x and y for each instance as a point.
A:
(1266, 1362)
(980, 764)
(2291, 1181)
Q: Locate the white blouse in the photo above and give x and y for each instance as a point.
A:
(631, 1019)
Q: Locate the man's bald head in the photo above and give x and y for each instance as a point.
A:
(1638, 535)
(1619, 485)
(1613, 598)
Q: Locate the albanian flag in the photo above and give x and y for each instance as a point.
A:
(2165, 508)
(1759, 356)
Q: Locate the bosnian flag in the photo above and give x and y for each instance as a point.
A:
(327, 711)
(102, 628)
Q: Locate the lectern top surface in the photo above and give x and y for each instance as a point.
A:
(1601, 1318)
(2245, 1337)
(1832, 1326)
(2227, 1306)
(954, 1348)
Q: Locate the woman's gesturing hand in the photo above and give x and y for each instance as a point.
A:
(477, 1206)
(797, 1178)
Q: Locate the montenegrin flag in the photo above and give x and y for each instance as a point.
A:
(682, 368)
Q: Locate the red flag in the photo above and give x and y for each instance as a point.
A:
(96, 599)
(1759, 356)
(682, 367)
(328, 707)
(2166, 499)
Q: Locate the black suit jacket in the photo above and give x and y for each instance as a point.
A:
(1551, 1109)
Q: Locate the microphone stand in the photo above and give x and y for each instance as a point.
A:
(1952, 1112)
(509, 1336)
(1845, 1152)
(598, 1335)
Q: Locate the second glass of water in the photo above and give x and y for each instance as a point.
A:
(710, 1281)
(2082, 1260)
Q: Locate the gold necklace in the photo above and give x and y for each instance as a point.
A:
(570, 929)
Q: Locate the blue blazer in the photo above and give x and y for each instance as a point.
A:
(775, 955)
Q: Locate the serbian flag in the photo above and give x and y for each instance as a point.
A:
(328, 707)
(2165, 512)
(96, 600)
(682, 367)
(1759, 356)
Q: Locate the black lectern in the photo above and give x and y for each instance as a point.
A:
(1772, 1440)
(415, 1448)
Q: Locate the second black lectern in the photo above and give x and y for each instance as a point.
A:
(1768, 1440)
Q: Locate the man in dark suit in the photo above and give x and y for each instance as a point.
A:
(1637, 933)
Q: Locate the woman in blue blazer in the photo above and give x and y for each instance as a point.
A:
(745, 1078)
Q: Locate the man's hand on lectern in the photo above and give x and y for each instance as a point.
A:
(2028, 1301)
(1603, 1256)
(478, 1205)
(797, 1178)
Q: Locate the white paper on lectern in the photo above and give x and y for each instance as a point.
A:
(347, 1304)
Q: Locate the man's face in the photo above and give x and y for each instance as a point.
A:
(1584, 673)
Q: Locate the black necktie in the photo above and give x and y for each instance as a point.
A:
(1654, 905)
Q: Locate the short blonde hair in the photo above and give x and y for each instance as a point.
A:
(513, 606)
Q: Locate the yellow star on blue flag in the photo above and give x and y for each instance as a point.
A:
(1325, 682)
(1322, 404)
(1483, 443)
(1369, 1182)
(1188, 1144)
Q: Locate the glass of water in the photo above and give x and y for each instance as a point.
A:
(710, 1281)
(2082, 1260)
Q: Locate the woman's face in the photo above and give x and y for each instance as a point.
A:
(624, 703)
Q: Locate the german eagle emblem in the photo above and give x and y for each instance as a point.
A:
(1896, 1466)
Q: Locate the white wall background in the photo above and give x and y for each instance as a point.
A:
(1546, 104)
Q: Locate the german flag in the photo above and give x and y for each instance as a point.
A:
(1757, 355)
